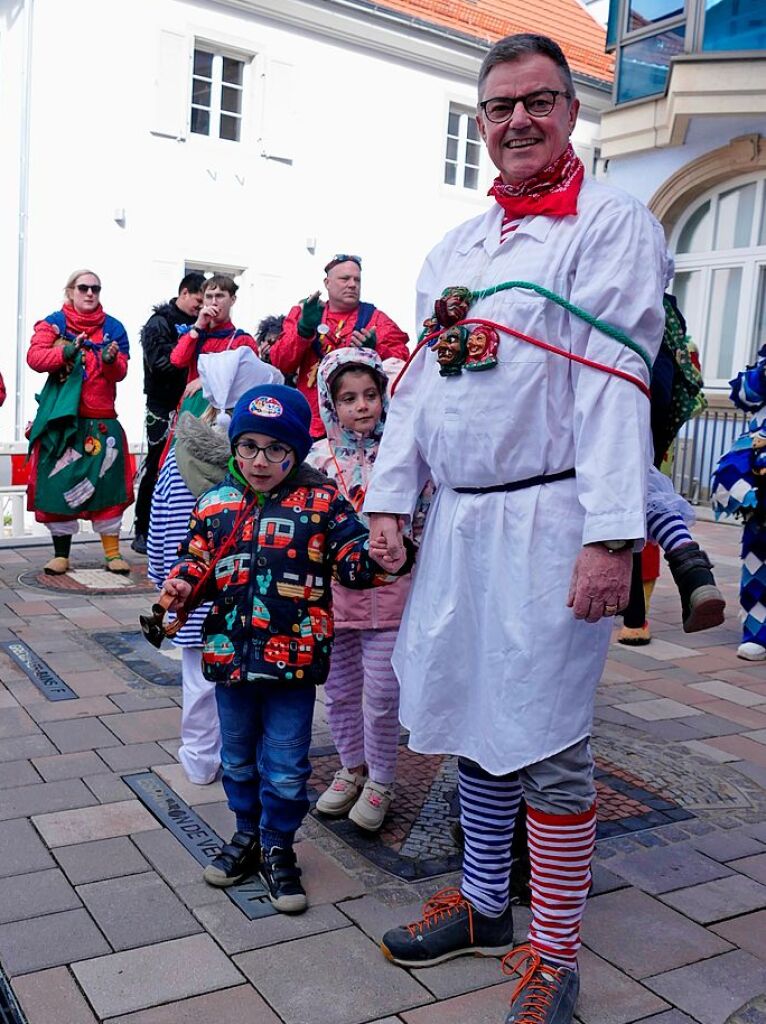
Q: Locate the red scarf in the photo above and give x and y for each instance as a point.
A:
(553, 191)
(83, 323)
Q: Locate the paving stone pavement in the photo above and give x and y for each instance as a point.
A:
(104, 918)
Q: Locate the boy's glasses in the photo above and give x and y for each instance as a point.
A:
(499, 109)
(274, 452)
(84, 288)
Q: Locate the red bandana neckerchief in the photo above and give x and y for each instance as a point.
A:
(552, 191)
(83, 323)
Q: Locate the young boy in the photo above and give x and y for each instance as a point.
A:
(213, 330)
(273, 533)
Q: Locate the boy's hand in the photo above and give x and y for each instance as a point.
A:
(206, 316)
(192, 387)
(386, 545)
(179, 590)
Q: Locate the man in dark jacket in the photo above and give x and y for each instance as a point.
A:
(163, 387)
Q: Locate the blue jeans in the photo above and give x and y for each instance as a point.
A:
(265, 740)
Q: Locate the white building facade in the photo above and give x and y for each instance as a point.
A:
(687, 134)
(150, 137)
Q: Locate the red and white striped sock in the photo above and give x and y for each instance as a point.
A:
(561, 850)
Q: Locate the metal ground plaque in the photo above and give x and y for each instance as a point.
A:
(196, 836)
(41, 674)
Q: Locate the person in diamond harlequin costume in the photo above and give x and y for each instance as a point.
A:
(526, 556)
(739, 488)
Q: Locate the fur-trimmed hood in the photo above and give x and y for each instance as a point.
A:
(202, 453)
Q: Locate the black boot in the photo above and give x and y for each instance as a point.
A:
(282, 877)
(702, 602)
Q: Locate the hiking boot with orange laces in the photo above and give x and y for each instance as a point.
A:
(450, 926)
(546, 992)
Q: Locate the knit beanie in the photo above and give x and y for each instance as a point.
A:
(277, 411)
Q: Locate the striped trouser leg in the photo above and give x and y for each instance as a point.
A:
(381, 704)
(488, 806)
(668, 529)
(561, 850)
(343, 697)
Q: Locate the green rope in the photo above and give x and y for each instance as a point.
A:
(601, 325)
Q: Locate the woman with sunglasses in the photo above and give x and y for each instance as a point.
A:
(78, 451)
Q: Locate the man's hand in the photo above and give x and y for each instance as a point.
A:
(311, 316)
(386, 544)
(179, 591)
(600, 582)
(192, 388)
(366, 338)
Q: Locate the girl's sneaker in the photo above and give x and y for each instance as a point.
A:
(282, 877)
(751, 651)
(372, 806)
(340, 796)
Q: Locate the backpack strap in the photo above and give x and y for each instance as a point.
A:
(364, 315)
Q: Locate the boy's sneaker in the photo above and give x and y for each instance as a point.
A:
(342, 793)
(237, 859)
(372, 806)
(282, 877)
(546, 994)
(702, 603)
(450, 927)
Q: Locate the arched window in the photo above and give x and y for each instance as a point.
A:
(720, 280)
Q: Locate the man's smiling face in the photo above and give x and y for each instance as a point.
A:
(524, 145)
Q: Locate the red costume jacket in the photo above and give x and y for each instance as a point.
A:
(186, 351)
(292, 353)
(99, 386)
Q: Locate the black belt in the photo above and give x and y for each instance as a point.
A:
(519, 485)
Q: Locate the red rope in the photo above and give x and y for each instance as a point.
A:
(643, 388)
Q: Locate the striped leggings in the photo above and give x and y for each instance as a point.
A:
(362, 701)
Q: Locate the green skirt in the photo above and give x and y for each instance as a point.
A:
(82, 473)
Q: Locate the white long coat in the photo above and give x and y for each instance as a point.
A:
(492, 664)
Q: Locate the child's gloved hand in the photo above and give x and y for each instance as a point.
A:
(179, 591)
(311, 316)
(600, 582)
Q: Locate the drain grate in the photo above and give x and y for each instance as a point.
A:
(10, 1011)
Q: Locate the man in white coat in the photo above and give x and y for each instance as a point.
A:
(542, 464)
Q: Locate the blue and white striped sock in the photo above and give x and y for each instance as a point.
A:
(668, 529)
(488, 807)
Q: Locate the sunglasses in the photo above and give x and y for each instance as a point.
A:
(83, 288)
(342, 257)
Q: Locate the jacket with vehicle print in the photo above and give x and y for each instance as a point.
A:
(271, 617)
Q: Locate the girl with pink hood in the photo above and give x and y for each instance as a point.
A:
(362, 692)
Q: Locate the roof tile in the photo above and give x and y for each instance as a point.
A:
(580, 37)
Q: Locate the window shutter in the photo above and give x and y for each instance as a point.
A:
(279, 112)
(171, 85)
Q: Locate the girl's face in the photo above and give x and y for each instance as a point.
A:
(263, 461)
(358, 402)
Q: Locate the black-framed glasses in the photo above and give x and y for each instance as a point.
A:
(85, 288)
(274, 452)
(499, 109)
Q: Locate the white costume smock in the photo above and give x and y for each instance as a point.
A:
(492, 664)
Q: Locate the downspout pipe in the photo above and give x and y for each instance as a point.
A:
(23, 246)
